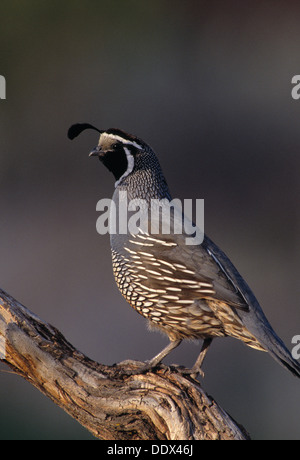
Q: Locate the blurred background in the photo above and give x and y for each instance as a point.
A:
(208, 85)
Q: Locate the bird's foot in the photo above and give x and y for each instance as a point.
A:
(139, 367)
(193, 372)
(131, 367)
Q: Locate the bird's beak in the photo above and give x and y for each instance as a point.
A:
(95, 152)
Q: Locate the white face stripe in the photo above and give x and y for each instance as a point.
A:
(130, 161)
(124, 141)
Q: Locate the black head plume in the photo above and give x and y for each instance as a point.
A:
(77, 129)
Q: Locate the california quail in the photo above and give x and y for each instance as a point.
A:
(188, 292)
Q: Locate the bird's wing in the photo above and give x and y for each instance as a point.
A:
(172, 266)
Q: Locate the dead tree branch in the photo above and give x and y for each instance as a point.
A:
(161, 405)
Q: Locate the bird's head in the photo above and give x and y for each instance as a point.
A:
(119, 151)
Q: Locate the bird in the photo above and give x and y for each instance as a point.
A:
(185, 291)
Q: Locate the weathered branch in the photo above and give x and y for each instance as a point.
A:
(161, 405)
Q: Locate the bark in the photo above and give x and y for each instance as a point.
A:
(160, 405)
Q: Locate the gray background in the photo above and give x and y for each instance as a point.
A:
(208, 85)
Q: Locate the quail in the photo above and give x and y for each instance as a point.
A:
(187, 292)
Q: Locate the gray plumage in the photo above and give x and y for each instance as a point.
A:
(188, 292)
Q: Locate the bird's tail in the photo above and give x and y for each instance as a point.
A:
(280, 353)
(269, 340)
(254, 318)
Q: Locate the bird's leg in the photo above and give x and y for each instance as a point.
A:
(196, 369)
(157, 358)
